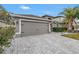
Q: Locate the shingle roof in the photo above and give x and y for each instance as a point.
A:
(52, 16)
(47, 16)
(29, 16)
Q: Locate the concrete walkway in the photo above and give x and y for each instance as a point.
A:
(51, 43)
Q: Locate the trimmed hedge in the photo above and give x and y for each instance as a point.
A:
(6, 34)
(59, 29)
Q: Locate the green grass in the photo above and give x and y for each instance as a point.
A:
(73, 36)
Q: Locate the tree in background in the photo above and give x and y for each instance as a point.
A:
(70, 15)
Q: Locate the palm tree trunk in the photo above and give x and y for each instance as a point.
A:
(69, 28)
(70, 25)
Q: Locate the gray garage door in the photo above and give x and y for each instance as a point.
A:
(34, 28)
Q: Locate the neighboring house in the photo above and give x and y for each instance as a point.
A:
(2, 24)
(57, 21)
(27, 25)
(76, 24)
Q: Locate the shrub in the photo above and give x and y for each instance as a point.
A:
(59, 29)
(6, 35)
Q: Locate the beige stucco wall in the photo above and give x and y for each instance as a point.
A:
(4, 25)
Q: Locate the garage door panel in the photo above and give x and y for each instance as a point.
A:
(34, 28)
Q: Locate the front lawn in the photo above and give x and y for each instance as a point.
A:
(74, 35)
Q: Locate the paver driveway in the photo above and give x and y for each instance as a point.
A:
(51, 43)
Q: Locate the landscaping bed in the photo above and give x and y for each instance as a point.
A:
(59, 29)
(72, 35)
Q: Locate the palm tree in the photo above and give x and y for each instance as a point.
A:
(4, 15)
(70, 15)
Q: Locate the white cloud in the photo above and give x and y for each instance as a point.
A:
(25, 7)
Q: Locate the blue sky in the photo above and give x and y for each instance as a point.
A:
(37, 9)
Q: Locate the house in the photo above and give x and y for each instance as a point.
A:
(27, 25)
